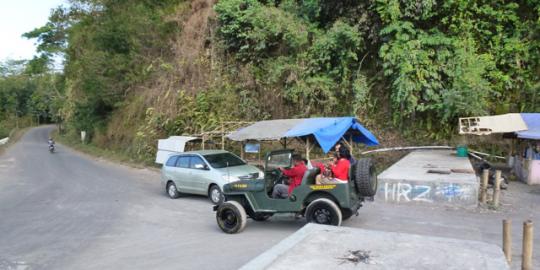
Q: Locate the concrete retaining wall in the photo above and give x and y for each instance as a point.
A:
(405, 191)
(4, 141)
(408, 181)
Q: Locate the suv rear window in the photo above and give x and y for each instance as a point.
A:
(223, 160)
(171, 162)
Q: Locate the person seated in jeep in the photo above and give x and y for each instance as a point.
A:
(340, 169)
(295, 174)
(351, 159)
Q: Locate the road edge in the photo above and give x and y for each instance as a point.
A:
(16, 135)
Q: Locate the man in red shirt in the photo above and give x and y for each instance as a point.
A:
(295, 174)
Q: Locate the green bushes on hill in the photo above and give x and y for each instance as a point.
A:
(417, 65)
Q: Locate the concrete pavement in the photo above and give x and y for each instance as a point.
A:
(321, 247)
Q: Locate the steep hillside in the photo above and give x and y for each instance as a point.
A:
(140, 70)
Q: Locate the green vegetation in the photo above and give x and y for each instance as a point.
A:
(137, 70)
(29, 93)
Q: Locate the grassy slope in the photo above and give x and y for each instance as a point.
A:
(100, 152)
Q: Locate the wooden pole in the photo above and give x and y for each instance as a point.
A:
(497, 188)
(307, 148)
(351, 145)
(526, 260)
(507, 239)
(222, 136)
(483, 187)
(242, 150)
(203, 138)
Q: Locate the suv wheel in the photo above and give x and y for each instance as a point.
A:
(323, 211)
(365, 178)
(172, 191)
(231, 217)
(215, 195)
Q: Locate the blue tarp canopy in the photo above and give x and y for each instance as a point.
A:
(533, 126)
(327, 131)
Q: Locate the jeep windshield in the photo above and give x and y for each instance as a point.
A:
(223, 160)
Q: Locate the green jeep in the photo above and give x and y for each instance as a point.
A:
(323, 204)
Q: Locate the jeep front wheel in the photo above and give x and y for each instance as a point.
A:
(323, 211)
(231, 217)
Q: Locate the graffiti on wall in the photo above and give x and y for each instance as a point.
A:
(409, 192)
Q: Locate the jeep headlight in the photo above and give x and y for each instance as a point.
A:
(261, 175)
(229, 178)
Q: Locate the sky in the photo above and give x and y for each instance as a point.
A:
(18, 17)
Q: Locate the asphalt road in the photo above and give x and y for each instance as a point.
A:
(70, 211)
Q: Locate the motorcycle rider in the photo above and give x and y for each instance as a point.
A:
(51, 143)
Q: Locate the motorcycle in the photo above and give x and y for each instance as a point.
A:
(51, 148)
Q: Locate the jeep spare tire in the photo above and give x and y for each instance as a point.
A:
(231, 217)
(365, 178)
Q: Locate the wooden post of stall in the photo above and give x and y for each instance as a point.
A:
(351, 145)
(222, 136)
(497, 188)
(242, 149)
(203, 138)
(526, 260)
(307, 148)
(507, 240)
(259, 153)
(483, 188)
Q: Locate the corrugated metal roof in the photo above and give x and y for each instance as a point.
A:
(265, 130)
(485, 125)
(326, 130)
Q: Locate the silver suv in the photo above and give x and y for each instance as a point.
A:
(204, 173)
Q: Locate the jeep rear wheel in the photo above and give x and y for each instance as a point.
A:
(231, 217)
(323, 211)
(365, 178)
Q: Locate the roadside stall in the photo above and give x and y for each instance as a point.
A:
(526, 160)
(523, 129)
(324, 132)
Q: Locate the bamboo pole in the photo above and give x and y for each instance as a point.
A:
(242, 150)
(222, 136)
(483, 187)
(526, 260)
(307, 148)
(497, 188)
(507, 239)
(351, 145)
(203, 138)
